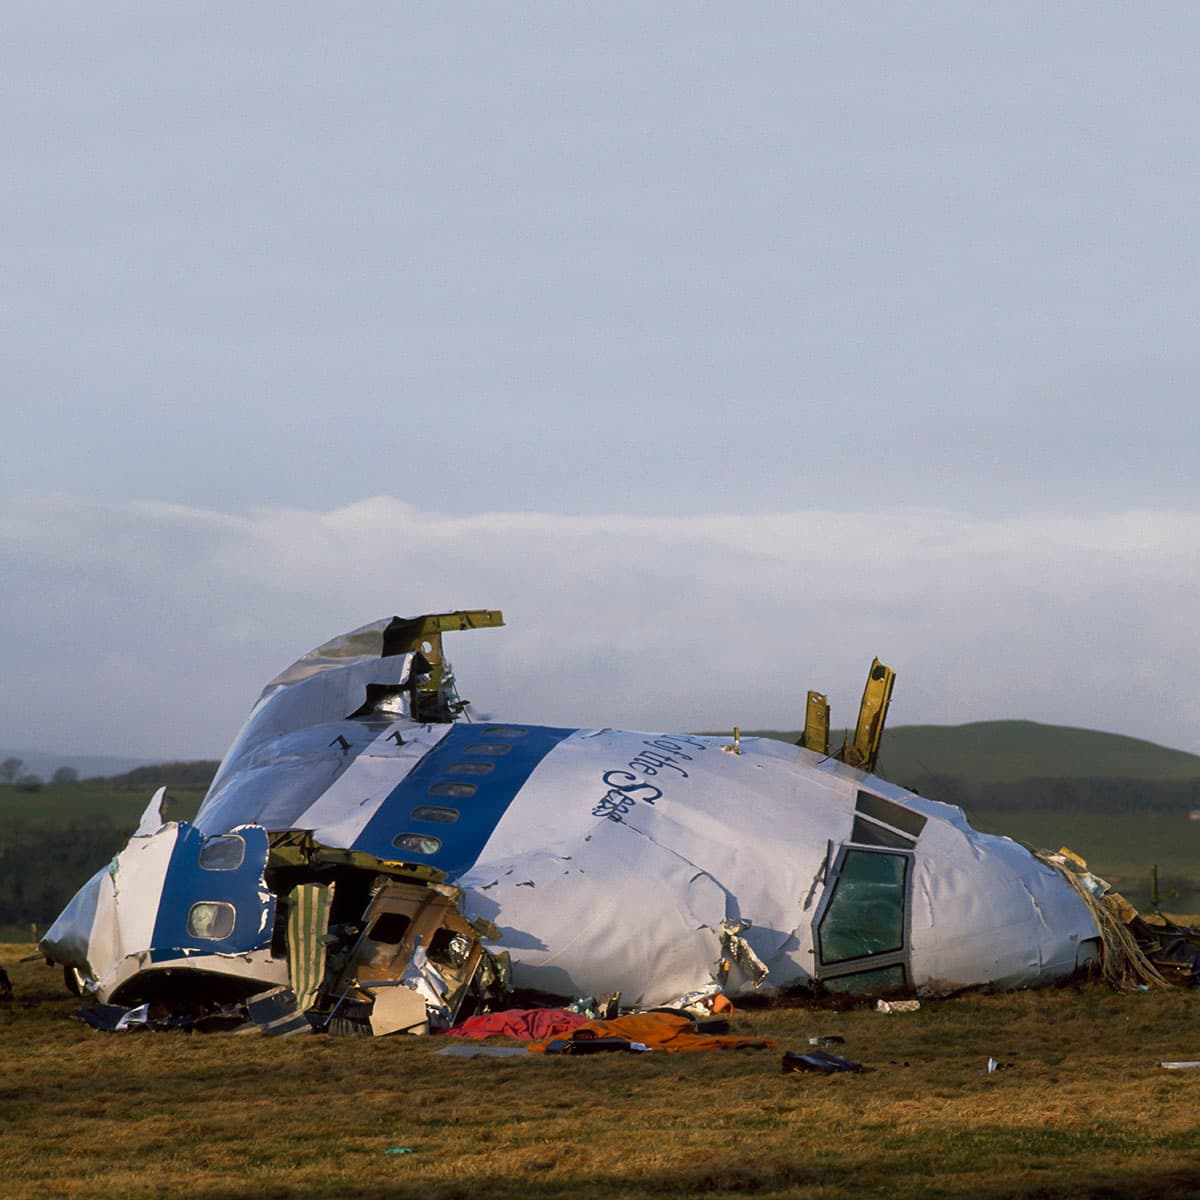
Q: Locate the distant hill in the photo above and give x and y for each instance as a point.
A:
(89, 766)
(990, 752)
(1024, 765)
(1002, 751)
(197, 774)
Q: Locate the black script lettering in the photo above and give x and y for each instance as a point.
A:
(668, 744)
(612, 780)
(651, 762)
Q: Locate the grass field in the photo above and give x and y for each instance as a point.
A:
(1083, 1111)
(53, 840)
(62, 806)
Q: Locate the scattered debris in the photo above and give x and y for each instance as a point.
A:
(1182, 1065)
(818, 1061)
(1135, 952)
(591, 1045)
(737, 950)
(161, 1018)
(829, 1039)
(897, 1006)
(101, 1016)
(597, 1008)
(702, 1002)
(994, 1065)
(399, 1150)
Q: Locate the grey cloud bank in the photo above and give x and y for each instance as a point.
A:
(148, 629)
(721, 350)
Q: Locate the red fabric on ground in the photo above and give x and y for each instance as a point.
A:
(659, 1030)
(527, 1024)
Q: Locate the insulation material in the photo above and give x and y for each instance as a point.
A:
(308, 923)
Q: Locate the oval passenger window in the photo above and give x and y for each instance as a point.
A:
(439, 816)
(448, 787)
(417, 843)
(212, 920)
(470, 768)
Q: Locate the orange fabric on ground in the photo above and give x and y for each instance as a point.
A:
(658, 1030)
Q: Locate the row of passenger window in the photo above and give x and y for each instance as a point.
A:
(214, 920)
(426, 844)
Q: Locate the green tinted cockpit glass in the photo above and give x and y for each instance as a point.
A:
(861, 983)
(866, 913)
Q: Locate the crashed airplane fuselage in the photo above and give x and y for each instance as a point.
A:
(358, 825)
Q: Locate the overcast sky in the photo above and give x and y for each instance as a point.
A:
(722, 348)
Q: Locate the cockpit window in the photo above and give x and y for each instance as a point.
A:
(895, 815)
(877, 979)
(870, 833)
(865, 915)
(223, 853)
(212, 920)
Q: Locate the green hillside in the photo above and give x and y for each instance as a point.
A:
(989, 752)
(1001, 752)
(53, 839)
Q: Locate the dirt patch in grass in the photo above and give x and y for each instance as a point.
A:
(1083, 1110)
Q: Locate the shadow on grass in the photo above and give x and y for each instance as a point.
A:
(780, 1178)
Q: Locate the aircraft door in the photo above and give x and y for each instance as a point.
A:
(861, 936)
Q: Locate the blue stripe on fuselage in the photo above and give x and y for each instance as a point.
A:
(187, 883)
(462, 841)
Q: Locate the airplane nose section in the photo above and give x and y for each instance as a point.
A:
(170, 898)
(987, 911)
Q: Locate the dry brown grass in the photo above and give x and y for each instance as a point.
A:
(1084, 1112)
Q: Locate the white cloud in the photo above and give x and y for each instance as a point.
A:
(148, 629)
